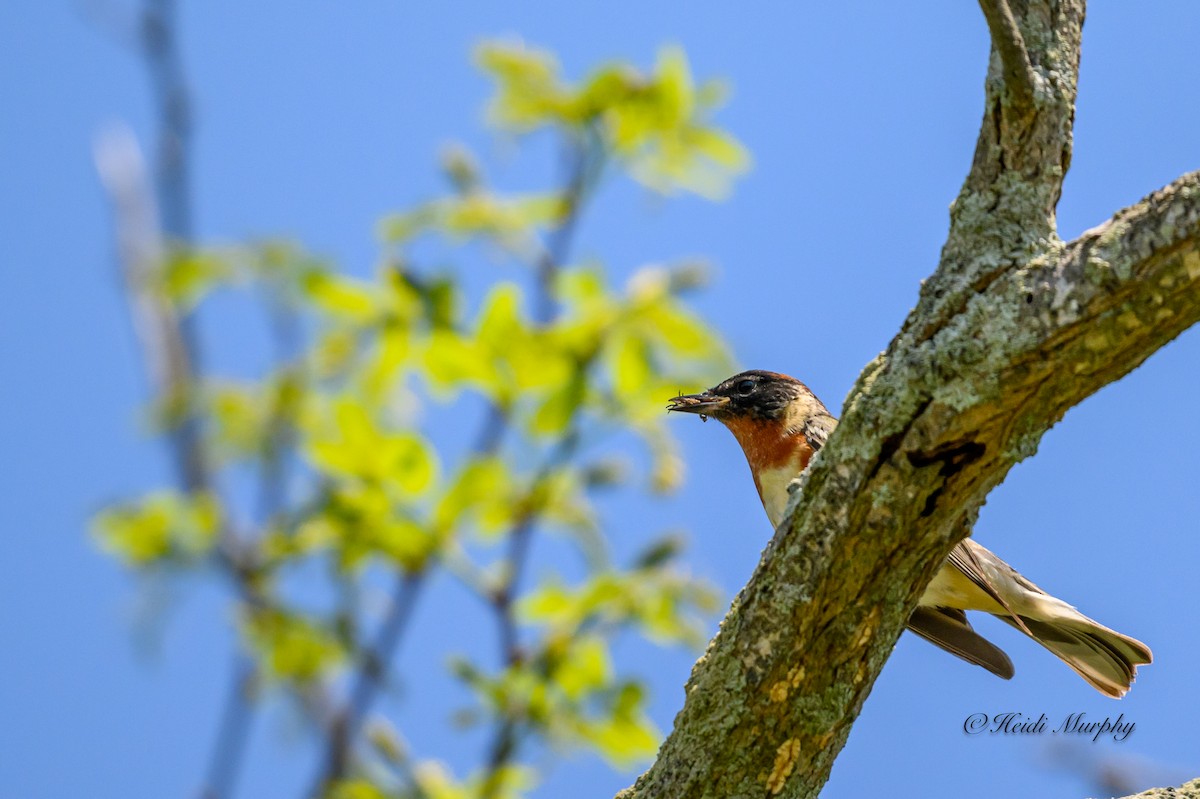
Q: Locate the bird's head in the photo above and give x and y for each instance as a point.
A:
(777, 421)
(753, 397)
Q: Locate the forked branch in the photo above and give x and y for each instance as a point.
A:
(1012, 329)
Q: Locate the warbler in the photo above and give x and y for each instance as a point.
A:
(780, 424)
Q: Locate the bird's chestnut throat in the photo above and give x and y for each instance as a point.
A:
(768, 444)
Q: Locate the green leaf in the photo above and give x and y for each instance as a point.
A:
(560, 499)
(630, 365)
(627, 736)
(443, 301)
(245, 418)
(356, 789)
(667, 467)
(189, 274)
(557, 411)
(359, 521)
(384, 365)
(386, 740)
(313, 535)
(237, 416)
(552, 604)
(509, 782)
(333, 352)
(605, 89)
(720, 148)
(500, 317)
(436, 782)
(407, 543)
(400, 227)
(661, 552)
(401, 297)
(529, 92)
(661, 602)
(482, 492)
(453, 360)
(483, 214)
(165, 525)
(461, 167)
(290, 646)
(351, 445)
(681, 331)
(586, 668)
(676, 92)
(340, 297)
(581, 287)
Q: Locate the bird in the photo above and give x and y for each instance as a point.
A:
(780, 424)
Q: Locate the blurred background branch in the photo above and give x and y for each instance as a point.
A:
(348, 480)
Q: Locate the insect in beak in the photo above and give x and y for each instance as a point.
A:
(700, 404)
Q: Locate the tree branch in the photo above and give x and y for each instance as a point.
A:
(1012, 329)
(226, 758)
(582, 167)
(1004, 215)
(148, 224)
(506, 738)
(1008, 42)
(169, 355)
(579, 169)
(343, 729)
(370, 676)
(1189, 790)
(174, 206)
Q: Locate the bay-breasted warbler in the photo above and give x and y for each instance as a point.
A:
(780, 424)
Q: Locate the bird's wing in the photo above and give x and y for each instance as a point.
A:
(974, 561)
(817, 428)
(949, 629)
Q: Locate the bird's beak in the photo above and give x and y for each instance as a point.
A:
(705, 404)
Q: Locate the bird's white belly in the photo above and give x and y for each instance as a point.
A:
(773, 489)
(953, 589)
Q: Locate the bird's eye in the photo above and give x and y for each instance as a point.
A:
(745, 387)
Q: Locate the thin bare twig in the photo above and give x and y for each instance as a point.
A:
(370, 676)
(160, 50)
(373, 667)
(584, 162)
(232, 732)
(494, 428)
(506, 739)
(1019, 75)
(169, 355)
(173, 174)
(149, 223)
(559, 245)
(281, 433)
(237, 715)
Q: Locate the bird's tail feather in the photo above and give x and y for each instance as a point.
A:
(1103, 657)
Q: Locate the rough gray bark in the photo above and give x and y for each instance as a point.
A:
(1189, 790)
(1014, 328)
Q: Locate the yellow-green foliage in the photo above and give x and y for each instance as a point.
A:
(162, 526)
(343, 431)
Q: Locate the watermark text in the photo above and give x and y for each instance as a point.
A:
(1013, 723)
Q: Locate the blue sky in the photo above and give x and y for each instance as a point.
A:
(314, 118)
